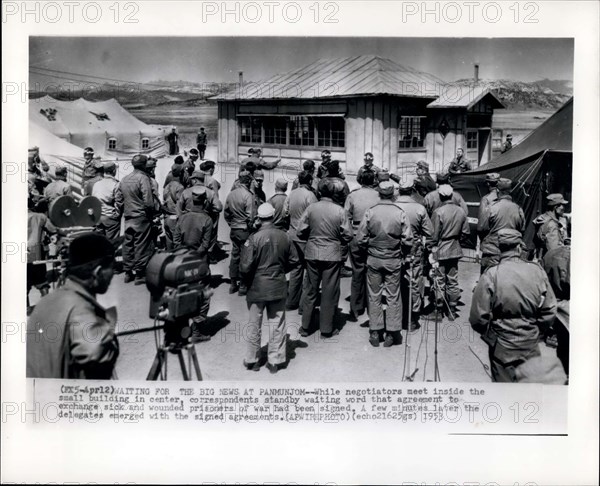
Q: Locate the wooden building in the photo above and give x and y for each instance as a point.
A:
(355, 105)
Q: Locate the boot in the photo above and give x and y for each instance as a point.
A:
(129, 277)
(243, 290)
(374, 338)
(234, 287)
(197, 336)
(414, 323)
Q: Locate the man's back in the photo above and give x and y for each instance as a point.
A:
(433, 201)
(502, 214)
(449, 225)
(56, 189)
(385, 229)
(135, 194)
(105, 191)
(297, 203)
(420, 224)
(240, 208)
(193, 231)
(359, 201)
(278, 202)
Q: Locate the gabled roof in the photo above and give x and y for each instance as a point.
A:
(554, 135)
(342, 77)
(464, 96)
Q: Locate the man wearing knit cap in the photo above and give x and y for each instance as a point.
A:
(267, 256)
(422, 230)
(88, 185)
(327, 231)
(69, 334)
(432, 200)
(59, 186)
(281, 220)
(193, 232)
(502, 214)
(450, 225)
(424, 184)
(134, 199)
(551, 227)
(357, 203)
(240, 213)
(106, 191)
(385, 234)
(171, 194)
(295, 205)
(511, 303)
(491, 181)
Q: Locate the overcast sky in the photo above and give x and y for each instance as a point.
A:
(220, 58)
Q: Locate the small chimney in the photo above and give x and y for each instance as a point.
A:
(241, 77)
(476, 73)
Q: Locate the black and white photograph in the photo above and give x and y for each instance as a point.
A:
(325, 242)
(282, 209)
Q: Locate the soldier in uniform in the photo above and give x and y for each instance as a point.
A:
(88, 185)
(422, 231)
(201, 142)
(173, 140)
(193, 232)
(184, 177)
(511, 303)
(281, 220)
(295, 205)
(240, 212)
(106, 191)
(433, 201)
(501, 214)
(459, 163)
(259, 178)
(491, 181)
(508, 144)
(267, 256)
(551, 226)
(135, 200)
(58, 187)
(331, 176)
(86, 346)
(368, 166)
(255, 156)
(356, 206)
(449, 227)
(326, 229)
(189, 166)
(208, 167)
(89, 171)
(171, 195)
(385, 234)
(308, 166)
(157, 225)
(423, 183)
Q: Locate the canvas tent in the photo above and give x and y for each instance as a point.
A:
(540, 165)
(106, 126)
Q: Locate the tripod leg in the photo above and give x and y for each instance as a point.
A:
(182, 364)
(156, 365)
(192, 352)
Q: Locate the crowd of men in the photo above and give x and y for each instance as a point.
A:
(403, 238)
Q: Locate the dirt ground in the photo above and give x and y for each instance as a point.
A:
(347, 357)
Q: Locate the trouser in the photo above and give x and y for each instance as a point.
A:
(276, 327)
(506, 372)
(562, 349)
(328, 275)
(414, 284)
(170, 224)
(111, 228)
(297, 285)
(215, 233)
(488, 260)
(384, 275)
(203, 310)
(201, 149)
(238, 238)
(138, 246)
(446, 276)
(358, 287)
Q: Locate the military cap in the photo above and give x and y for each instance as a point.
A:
(509, 237)
(98, 164)
(421, 164)
(90, 248)
(407, 183)
(197, 174)
(60, 171)
(442, 177)
(265, 210)
(509, 136)
(207, 165)
(386, 188)
(110, 166)
(87, 151)
(368, 156)
(151, 163)
(198, 194)
(194, 151)
(445, 190)
(383, 175)
(259, 175)
(504, 184)
(556, 199)
(281, 184)
(176, 170)
(139, 161)
(179, 160)
(492, 177)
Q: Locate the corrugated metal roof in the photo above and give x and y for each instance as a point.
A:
(463, 96)
(342, 77)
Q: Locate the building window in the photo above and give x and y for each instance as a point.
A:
(112, 144)
(472, 140)
(302, 131)
(275, 130)
(411, 132)
(250, 130)
(331, 132)
(145, 143)
(496, 140)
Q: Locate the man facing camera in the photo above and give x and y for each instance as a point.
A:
(69, 334)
